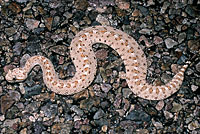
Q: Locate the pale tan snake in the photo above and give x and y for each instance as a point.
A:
(85, 62)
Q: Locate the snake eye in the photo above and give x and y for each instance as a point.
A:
(14, 78)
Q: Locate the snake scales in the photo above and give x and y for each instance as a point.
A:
(85, 62)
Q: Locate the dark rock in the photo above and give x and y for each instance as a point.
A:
(101, 54)
(32, 23)
(31, 91)
(8, 100)
(12, 112)
(118, 100)
(15, 95)
(104, 104)
(81, 4)
(166, 4)
(88, 103)
(55, 3)
(189, 10)
(61, 128)
(157, 40)
(6, 103)
(78, 16)
(101, 3)
(123, 4)
(17, 48)
(106, 87)
(32, 107)
(102, 19)
(190, 34)
(10, 31)
(143, 10)
(137, 115)
(182, 59)
(38, 127)
(181, 37)
(77, 110)
(99, 114)
(33, 44)
(197, 66)
(71, 70)
(151, 110)
(94, 3)
(60, 49)
(14, 7)
(48, 22)
(50, 110)
(126, 92)
(56, 21)
(160, 26)
(86, 128)
(176, 107)
(98, 79)
(24, 59)
(165, 78)
(193, 45)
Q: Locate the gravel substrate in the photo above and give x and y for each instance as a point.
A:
(168, 31)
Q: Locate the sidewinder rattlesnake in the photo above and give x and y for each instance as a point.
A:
(85, 62)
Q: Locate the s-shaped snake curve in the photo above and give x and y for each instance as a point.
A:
(85, 62)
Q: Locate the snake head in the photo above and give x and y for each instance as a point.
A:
(16, 75)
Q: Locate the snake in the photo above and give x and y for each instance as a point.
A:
(85, 62)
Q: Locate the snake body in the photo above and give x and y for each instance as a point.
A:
(85, 62)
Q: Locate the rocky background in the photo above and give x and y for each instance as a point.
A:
(167, 30)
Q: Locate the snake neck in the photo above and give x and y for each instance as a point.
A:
(43, 62)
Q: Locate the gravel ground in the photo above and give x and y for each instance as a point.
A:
(167, 31)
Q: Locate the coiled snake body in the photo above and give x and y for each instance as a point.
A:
(85, 62)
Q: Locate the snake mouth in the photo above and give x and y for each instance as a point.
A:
(15, 80)
(19, 80)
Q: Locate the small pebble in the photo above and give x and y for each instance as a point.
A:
(102, 20)
(194, 125)
(106, 87)
(104, 128)
(81, 4)
(170, 43)
(99, 114)
(176, 107)
(168, 115)
(138, 116)
(126, 92)
(158, 125)
(23, 131)
(6, 102)
(160, 105)
(2, 118)
(122, 4)
(181, 37)
(32, 24)
(157, 40)
(194, 88)
(197, 66)
(101, 54)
